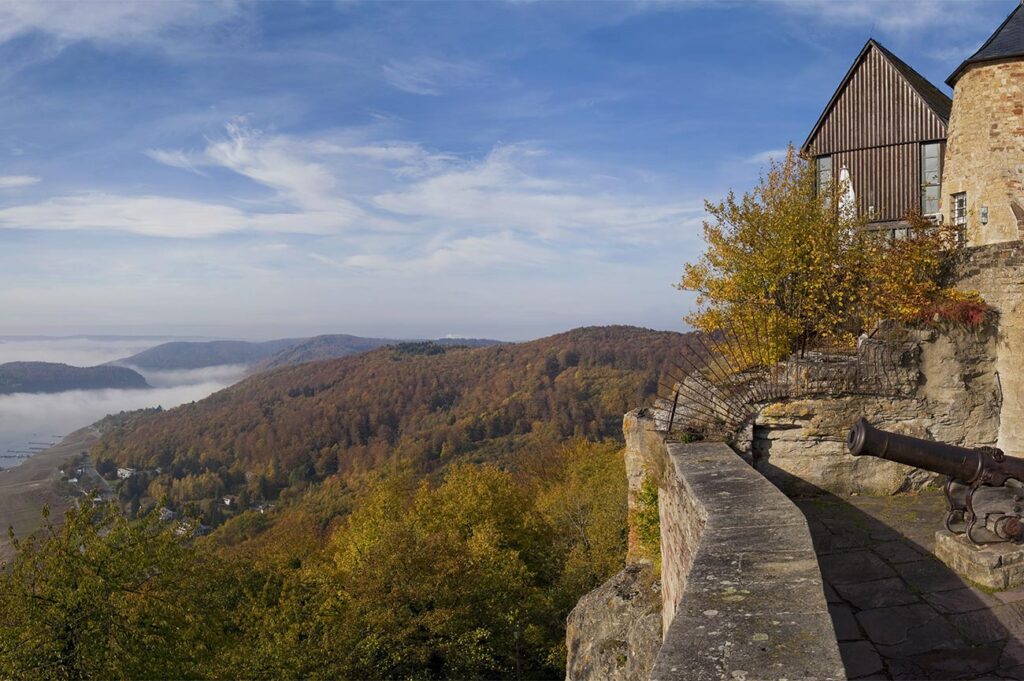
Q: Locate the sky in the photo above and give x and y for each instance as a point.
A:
(485, 169)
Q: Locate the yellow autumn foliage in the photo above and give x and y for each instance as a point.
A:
(798, 268)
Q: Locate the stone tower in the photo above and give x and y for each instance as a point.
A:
(983, 177)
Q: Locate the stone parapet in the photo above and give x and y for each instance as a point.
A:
(742, 596)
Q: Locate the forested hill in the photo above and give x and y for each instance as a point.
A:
(333, 346)
(199, 354)
(420, 404)
(51, 377)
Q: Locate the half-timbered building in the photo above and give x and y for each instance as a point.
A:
(884, 132)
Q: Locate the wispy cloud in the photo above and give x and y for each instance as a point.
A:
(766, 156)
(896, 17)
(466, 254)
(13, 181)
(504, 191)
(175, 158)
(514, 187)
(160, 216)
(428, 75)
(113, 21)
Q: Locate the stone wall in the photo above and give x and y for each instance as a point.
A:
(741, 594)
(985, 150)
(997, 273)
(800, 444)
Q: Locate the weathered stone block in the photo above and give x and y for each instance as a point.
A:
(994, 566)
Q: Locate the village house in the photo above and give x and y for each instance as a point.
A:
(900, 145)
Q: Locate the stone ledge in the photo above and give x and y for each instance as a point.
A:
(742, 591)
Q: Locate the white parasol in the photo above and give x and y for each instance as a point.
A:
(847, 198)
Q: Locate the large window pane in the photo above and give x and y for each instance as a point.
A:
(824, 173)
(931, 177)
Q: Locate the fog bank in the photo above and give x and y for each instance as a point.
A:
(26, 417)
(81, 352)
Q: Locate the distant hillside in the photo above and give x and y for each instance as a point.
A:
(419, 405)
(341, 345)
(320, 348)
(196, 355)
(264, 355)
(49, 377)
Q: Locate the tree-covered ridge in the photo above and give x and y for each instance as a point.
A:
(335, 346)
(51, 377)
(402, 405)
(199, 354)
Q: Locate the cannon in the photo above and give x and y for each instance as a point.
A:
(984, 487)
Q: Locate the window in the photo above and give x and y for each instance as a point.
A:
(958, 205)
(931, 177)
(824, 170)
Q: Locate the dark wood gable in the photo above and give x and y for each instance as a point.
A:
(874, 125)
(878, 105)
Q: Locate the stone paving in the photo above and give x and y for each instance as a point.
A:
(898, 612)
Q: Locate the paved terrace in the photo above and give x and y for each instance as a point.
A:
(898, 612)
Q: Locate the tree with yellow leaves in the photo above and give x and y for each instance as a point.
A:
(798, 266)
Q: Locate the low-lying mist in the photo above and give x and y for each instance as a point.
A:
(27, 421)
(225, 374)
(80, 352)
(26, 417)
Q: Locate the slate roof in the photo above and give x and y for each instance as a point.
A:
(1007, 42)
(936, 100)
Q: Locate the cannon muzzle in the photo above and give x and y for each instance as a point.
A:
(959, 463)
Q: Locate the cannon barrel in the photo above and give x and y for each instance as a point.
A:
(960, 463)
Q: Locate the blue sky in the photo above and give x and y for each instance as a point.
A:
(506, 169)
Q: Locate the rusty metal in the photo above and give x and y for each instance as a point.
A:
(983, 485)
(721, 381)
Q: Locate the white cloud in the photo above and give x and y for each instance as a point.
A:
(469, 253)
(897, 17)
(11, 181)
(428, 75)
(108, 21)
(176, 158)
(502, 191)
(159, 216)
(448, 208)
(766, 156)
(145, 215)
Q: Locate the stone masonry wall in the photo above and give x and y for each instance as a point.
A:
(741, 596)
(800, 444)
(985, 150)
(997, 273)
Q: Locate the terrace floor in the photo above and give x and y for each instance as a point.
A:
(898, 612)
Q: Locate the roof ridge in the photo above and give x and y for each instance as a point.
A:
(937, 101)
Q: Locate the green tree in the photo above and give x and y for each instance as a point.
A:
(105, 597)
